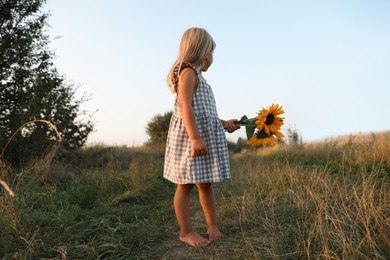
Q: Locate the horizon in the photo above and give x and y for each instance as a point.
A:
(326, 62)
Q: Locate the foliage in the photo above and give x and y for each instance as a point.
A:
(32, 89)
(157, 129)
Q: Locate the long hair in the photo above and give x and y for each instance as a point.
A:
(195, 46)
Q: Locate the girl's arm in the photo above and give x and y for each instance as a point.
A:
(185, 91)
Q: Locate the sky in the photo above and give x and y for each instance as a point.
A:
(327, 62)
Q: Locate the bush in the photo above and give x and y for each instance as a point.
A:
(157, 129)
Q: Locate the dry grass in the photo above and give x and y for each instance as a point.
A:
(294, 205)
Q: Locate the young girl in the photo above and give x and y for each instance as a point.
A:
(196, 151)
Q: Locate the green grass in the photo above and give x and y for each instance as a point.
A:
(328, 200)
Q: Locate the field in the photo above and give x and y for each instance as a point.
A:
(325, 200)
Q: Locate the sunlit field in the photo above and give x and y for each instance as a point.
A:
(325, 200)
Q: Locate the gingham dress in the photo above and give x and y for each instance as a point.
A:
(179, 166)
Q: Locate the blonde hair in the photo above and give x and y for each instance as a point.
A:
(195, 46)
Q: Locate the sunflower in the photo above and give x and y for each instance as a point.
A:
(256, 140)
(264, 139)
(278, 134)
(265, 128)
(269, 119)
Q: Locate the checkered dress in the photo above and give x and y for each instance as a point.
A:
(179, 166)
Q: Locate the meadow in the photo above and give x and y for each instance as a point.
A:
(323, 200)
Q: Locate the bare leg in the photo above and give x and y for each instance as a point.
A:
(207, 200)
(182, 210)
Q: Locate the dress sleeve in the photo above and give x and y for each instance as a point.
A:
(180, 67)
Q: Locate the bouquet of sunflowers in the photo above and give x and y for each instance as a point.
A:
(265, 128)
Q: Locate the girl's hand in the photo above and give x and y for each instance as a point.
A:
(198, 147)
(232, 125)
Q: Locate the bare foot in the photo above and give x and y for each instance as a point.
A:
(214, 234)
(194, 239)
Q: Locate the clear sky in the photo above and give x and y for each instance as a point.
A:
(327, 62)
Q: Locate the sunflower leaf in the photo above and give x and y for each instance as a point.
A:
(250, 125)
(243, 120)
(250, 130)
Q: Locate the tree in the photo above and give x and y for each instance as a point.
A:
(157, 129)
(32, 89)
(293, 137)
(238, 146)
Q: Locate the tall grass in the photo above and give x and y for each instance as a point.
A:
(326, 200)
(96, 203)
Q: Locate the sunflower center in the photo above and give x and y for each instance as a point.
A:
(270, 119)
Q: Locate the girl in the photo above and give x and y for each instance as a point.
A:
(196, 151)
